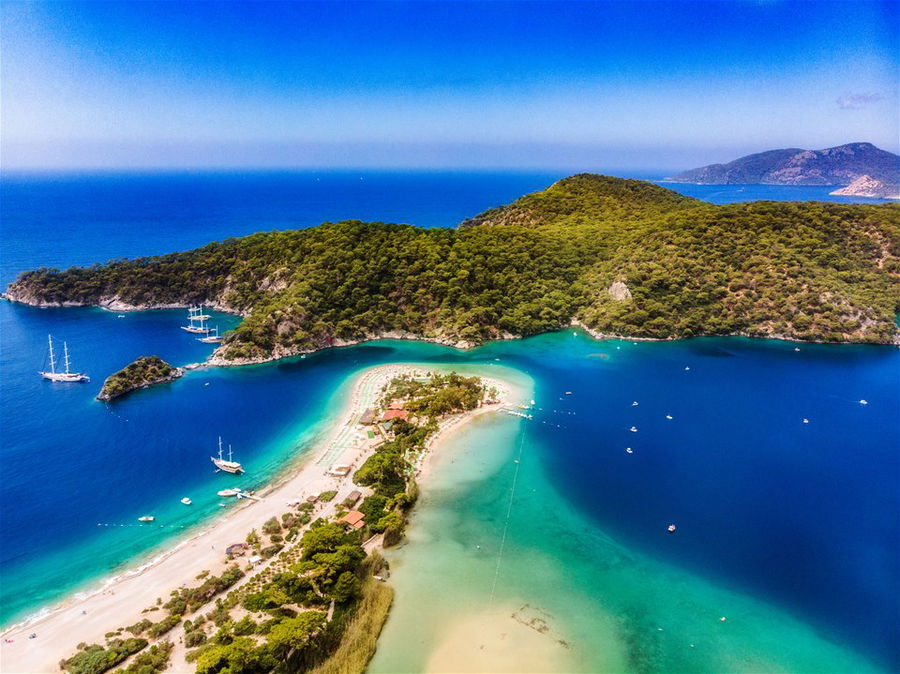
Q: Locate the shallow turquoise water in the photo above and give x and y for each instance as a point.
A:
(615, 609)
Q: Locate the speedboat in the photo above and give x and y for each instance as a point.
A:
(229, 492)
(671, 528)
(186, 501)
(146, 518)
(668, 416)
(633, 429)
(863, 402)
(629, 450)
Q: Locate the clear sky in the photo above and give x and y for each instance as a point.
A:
(639, 85)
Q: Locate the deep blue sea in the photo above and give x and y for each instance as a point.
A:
(803, 516)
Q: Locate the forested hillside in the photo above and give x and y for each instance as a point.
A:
(623, 257)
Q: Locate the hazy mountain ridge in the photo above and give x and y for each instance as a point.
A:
(839, 165)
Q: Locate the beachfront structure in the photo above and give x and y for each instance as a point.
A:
(368, 417)
(395, 414)
(340, 469)
(354, 518)
(236, 549)
(352, 498)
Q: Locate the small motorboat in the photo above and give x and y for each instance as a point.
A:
(635, 403)
(669, 416)
(805, 421)
(228, 492)
(863, 402)
(633, 429)
(629, 450)
(687, 368)
(146, 518)
(186, 501)
(671, 528)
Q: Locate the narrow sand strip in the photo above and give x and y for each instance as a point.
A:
(119, 601)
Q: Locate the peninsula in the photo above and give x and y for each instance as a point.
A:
(290, 578)
(841, 165)
(145, 371)
(620, 257)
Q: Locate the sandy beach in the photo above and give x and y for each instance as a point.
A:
(118, 601)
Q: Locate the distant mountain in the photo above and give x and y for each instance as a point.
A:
(839, 165)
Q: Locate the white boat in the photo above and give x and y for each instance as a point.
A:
(196, 314)
(67, 376)
(186, 501)
(633, 429)
(196, 321)
(228, 492)
(863, 402)
(211, 339)
(146, 518)
(229, 466)
(668, 416)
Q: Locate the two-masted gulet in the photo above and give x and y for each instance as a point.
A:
(213, 338)
(228, 465)
(67, 375)
(196, 321)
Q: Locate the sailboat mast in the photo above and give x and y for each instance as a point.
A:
(52, 361)
(220, 448)
(229, 451)
(66, 356)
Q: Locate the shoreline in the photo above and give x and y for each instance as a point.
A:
(464, 345)
(117, 600)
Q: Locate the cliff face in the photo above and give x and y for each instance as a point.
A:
(839, 165)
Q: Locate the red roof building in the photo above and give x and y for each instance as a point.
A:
(395, 414)
(354, 518)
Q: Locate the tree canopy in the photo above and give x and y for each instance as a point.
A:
(622, 256)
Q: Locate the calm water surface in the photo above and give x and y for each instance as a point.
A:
(802, 518)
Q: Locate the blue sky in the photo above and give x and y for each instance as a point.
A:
(638, 85)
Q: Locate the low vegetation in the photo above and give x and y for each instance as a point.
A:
(621, 256)
(95, 659)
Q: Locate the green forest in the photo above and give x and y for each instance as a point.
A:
(623, 257)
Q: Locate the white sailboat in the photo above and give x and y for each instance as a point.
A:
(228, 465)
(68, 375)
(211, 339)
(196, 314)
(196, 321)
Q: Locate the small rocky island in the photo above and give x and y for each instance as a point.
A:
(145, 371)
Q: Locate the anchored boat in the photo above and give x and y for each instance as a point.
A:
(68, 375)
(196, 321)
(229, 466)
(211, 339)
